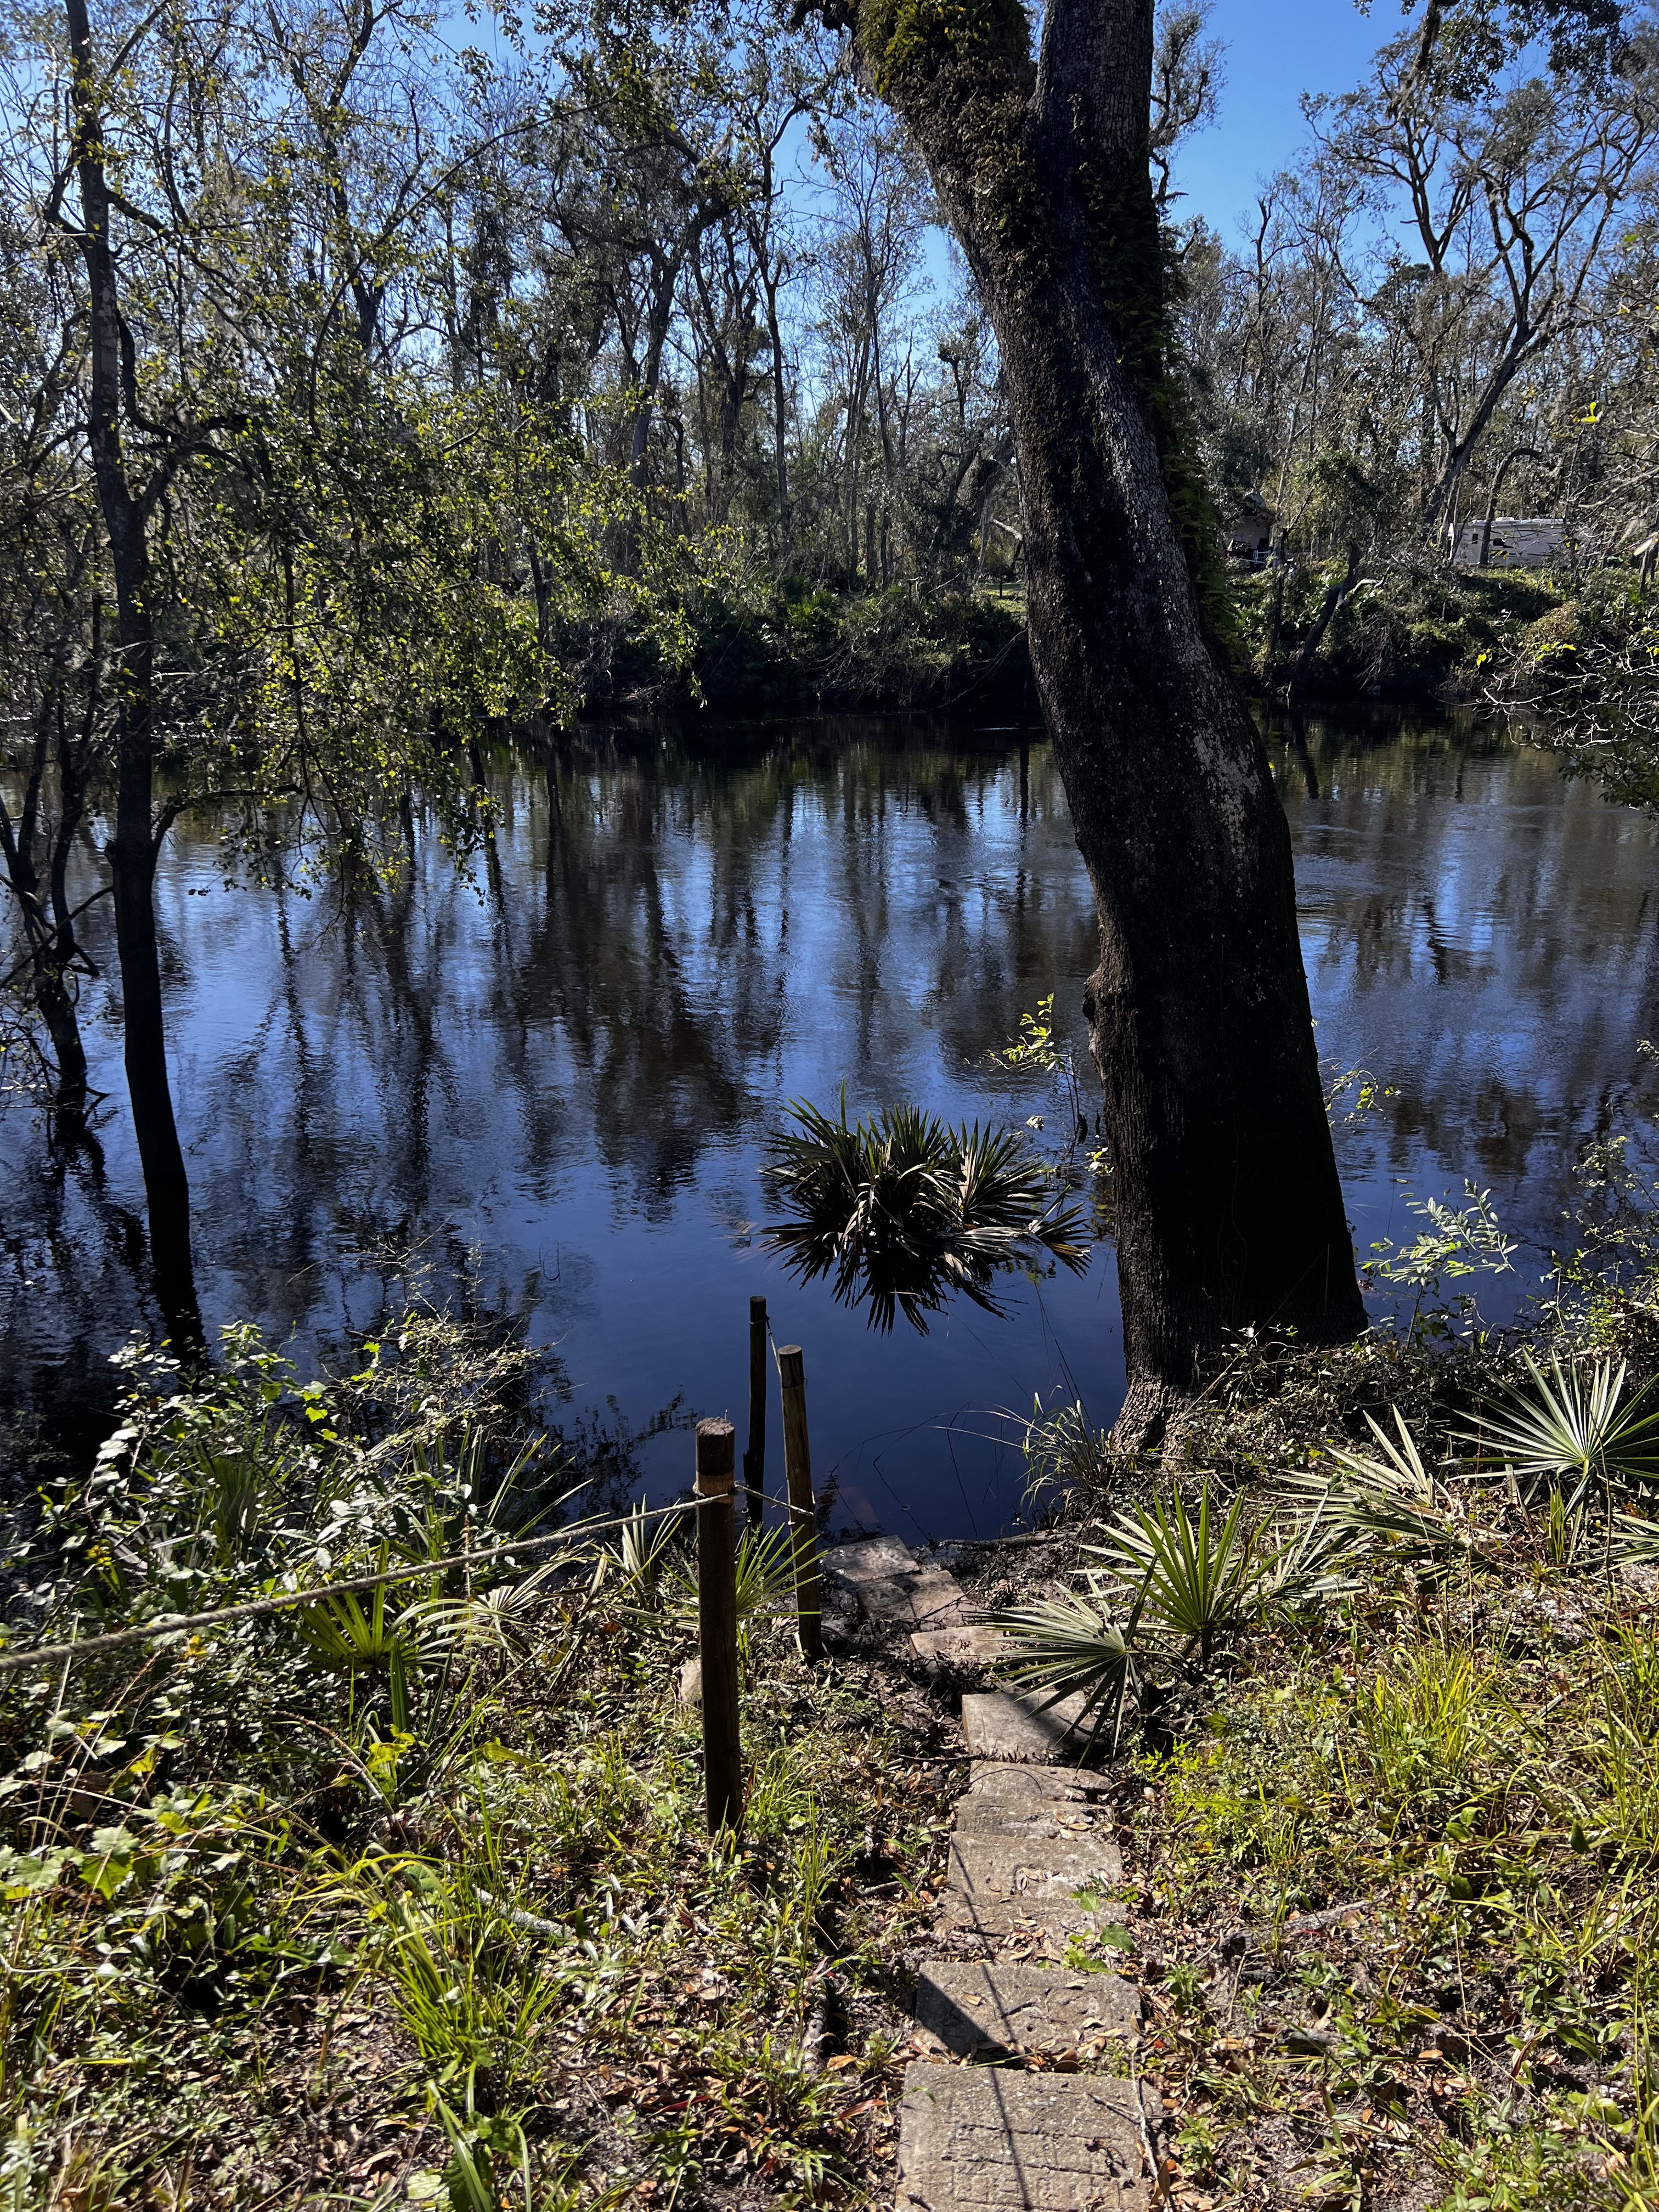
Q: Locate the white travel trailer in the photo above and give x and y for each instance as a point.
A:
(1518, 541)
(1247, 533)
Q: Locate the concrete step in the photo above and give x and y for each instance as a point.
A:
(1014, 1726)
(995, 2139)
(1000, 1885)
(895, 1588)
(1034, 1804)
(980, 1645)
(890, 1585)
(972, 2011)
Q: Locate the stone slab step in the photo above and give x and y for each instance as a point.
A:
(920, 1597)
(873, 1560)
(983, 2012)
(895, 1588)
(980, 1645)
(1001, 1885)
(1008, 1725)
(994, 2139)
(1036, 1805)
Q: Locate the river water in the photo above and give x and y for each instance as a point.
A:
(556, 1074)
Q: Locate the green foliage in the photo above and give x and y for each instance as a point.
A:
(1038, 1046)
(1071, 1646)
(765, 1584)
(903, 1211)
(1588, 688)
(902, 647)
(1582, 1437)
(1171, 1584)
(484, 1915)
(1197, 1577)
(1389, 1501)
(903, 35)
(1409, 621)
(1063, 1450)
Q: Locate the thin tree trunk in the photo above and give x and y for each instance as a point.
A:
(1228, 1208)
(132, 854)
(1335, 592)
(665, 277)
(780, 406)
(49, 938)
(1516, 453)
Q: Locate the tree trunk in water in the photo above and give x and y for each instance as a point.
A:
(132, 854)
(1229, 1211)
(50, 951)
(50, 937)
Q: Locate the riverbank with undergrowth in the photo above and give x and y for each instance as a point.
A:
(1410, 626)
(408, 1897)
(1388, 1774)
(1407, 625)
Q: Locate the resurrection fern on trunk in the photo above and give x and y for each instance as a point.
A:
(902, 1210)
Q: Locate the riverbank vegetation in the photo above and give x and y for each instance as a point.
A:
(1374, 1659)
(405, 1896)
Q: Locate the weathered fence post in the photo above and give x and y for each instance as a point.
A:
(754, 1459)
(717, 1621)
(798, 1475)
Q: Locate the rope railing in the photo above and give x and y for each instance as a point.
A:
(13, 1661)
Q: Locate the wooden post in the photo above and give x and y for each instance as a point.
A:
(717, 1622)
(754, 1459)
(803, 1521)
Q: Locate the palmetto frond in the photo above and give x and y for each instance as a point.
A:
(1387, 1498)
(1638, 1540)
(1317, 1558)
(1171, 1575)
(765, 1579)
(498, 1618)
(1069, 1644)
(1196, 1579)
(1574, 1435)
(646, 1549)
(902, 1209)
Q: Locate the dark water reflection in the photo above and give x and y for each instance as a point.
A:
(566, 1063)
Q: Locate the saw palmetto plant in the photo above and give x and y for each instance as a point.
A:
(1173, 1580)
(1072, 1644)
(1197, 1575)
(765, 1582)
(1386, 1500)
(1580, 1436)
(343, 1632)
(902, 1209)
(647, 1550)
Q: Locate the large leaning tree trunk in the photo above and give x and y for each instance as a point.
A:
(1229, 1211)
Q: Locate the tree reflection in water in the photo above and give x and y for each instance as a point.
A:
(553, 1080)
(904, 1212)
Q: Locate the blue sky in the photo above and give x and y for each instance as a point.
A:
(1277, 49)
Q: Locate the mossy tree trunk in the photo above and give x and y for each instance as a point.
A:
(1229, 1211)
